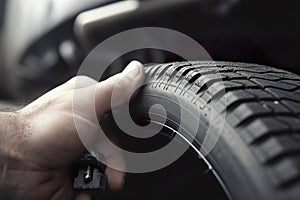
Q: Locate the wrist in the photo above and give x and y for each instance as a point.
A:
(10, 143)
(9, 133)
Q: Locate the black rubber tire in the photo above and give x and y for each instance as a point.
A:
(258, 153)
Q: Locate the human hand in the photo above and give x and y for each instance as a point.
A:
(39, 143)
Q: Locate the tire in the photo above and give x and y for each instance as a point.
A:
(258, 153)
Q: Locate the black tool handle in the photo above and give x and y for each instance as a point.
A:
(90, 175)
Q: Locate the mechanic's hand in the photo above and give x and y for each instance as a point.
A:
(39, 143)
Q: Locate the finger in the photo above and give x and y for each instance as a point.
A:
(114, 160)
(113, 157)
(120, 87)
(84, 195)
(115, 179)
(96, 99)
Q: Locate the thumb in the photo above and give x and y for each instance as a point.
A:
(104, 95)
(118, 89)
(100, 98)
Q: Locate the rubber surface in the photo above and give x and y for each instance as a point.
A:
(258, 153)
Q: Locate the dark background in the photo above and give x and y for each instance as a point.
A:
(32, 62)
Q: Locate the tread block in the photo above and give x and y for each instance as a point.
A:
(286, 75)
(292, 122)
(262, 129)
(288, 170)
(266, 83)
(233, 98)
(292, 82)
(246, 83)
(261, 94)
(223, 87)
(282, 94)
(206, 81)
(252, 69)
(265, 76)
(232, 75)
(292, 105)
(297, 91)
(276, 107)
(246, 111)
(275, 148)
(205, 71)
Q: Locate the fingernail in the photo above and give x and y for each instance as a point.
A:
(133, 69)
